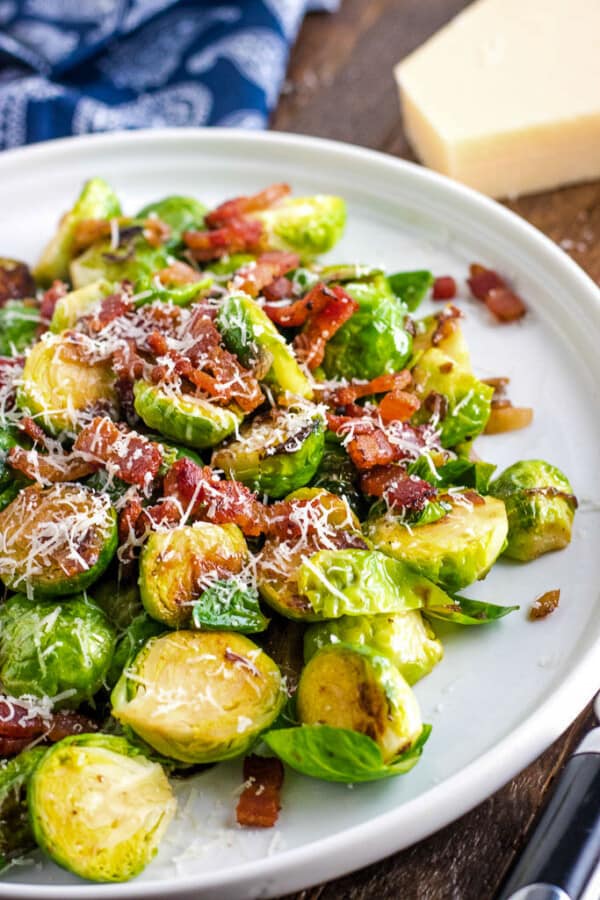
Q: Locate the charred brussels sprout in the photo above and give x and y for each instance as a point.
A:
(540, 505)
(56, 540)
(16, 282)
(373, 340)
(305, 225)
(19, 322)
(199, 697)
(54, 647)
(249, 333)
(406, 638)
(76, 304)
(135, 260)
(96, 201)
(178, 212)
(56, 385)
(277, 452)
(176, 566)
(183, 417)
(454, 550)
(98, 807)
(359, 690)
(16, 836)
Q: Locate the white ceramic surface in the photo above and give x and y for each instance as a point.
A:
(503, 692)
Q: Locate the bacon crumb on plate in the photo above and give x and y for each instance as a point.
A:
(260, 801)
(544, 605)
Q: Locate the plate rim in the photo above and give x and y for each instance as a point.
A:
(378, 837)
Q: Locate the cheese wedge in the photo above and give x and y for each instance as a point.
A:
(506, 97)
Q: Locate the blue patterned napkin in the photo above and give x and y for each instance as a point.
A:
(80, 66)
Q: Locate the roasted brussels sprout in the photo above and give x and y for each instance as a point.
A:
(249, 333)
(19, 322)
(358, 689)
(305, 225)
(56, 540)
(56, 385)
(176, 566)
(450, 392)
(76, 304)
(135, 261)
(7, 440)
(540, 505)
(277, 452)
(54, 648)
(406, 638)
(199, 697)
(336, 474)
(444, 333)
(373, 340)
(178, 212)
(454, 550)
(183, 417)
(16, 836)
(411, 287)
(96, 201)
(16, 282)
(229, 605)
(99, 807)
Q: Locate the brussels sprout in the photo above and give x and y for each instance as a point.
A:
(98, 807)
(373, 340)
(130, 642)
(540, 505)
(135, 261)
(411, 287)
(357, 689)
(121, 603)
(464, 611)
(229, 605)
(56, 386)
(305, 225)
(183, 417)
(199, 697)
(16, 836)
(76, 304)
(176, 565)
(468, 399)
(179, 212)
(150, 289)
(406, 638)
(225, 267)
(16, 282)
(277, 452)
(19, 322)
(249, 333)
(96, 201)
(56, 540)
(336, 474)
(453, 551)
(448, 337)
(7, 440)
(51, 647)
(340, 273)
(12, 490)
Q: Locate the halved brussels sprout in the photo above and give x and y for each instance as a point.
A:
(449, 339)
(183, 417)
(199, 697)
(56, 386)
(406, 638)
(138, 260)
(540, 505)
(177, 565)
(96, 201)
(305, 225)
(468, 400)
(249, 333)
(50, 648)
(16, 836)
(358, 689)
(277, 452)
(373, 340)
(129, 643)
(453, 551)
(337, 474)
(99, 807)
(76, 304)
(411, 287)
(179, 212)
(19, 322)
(56, 540)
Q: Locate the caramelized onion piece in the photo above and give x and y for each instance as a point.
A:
(508, 418)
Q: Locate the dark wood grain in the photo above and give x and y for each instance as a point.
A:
(340, 85)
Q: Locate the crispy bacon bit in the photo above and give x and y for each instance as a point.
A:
(394, 381)
(259, 803)
(444, 288)
(19, 727)
(268, 269)
(57, 290)
(130, 456)
(492, 289)
(241, 206)
(178, 273)
(279, 289)
(31, 428)
(544, 605)
(371, 449)
(507, 417)
(436, 404)
(16, 281)
(297, 313)
(322, 325)
(499, 384)
(49, 468)
(399, 406)
(481, 281)
(400, 490)
(446, 324)
(156, 232)
(112, 307)
(472, 497)
(128, 519)
(237, 236)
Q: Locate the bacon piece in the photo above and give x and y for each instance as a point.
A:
(237, 236)
(131, 456)
(481, 281)
(444, 288)
(400, 490)
(371, 449)
(399, 406)
(544, 605)
(279, 289)
(296, 314)
(52, 468)
(128, 518)
(178, 273)
(31, 428)
(18, 727)
(49, 300)
(322, 325)
(259, 803)
(268, 269)
(348, 393)
(16, 281)
(492, 289)
(112, 307)
(446, 324)
(241, 206)
(156, 232)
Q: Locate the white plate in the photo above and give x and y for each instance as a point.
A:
(503, 692)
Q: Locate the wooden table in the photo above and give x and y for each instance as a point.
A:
(340, 86)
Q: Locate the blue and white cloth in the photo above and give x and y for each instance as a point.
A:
(81, 66)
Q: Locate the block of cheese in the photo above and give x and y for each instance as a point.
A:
(506, 97)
